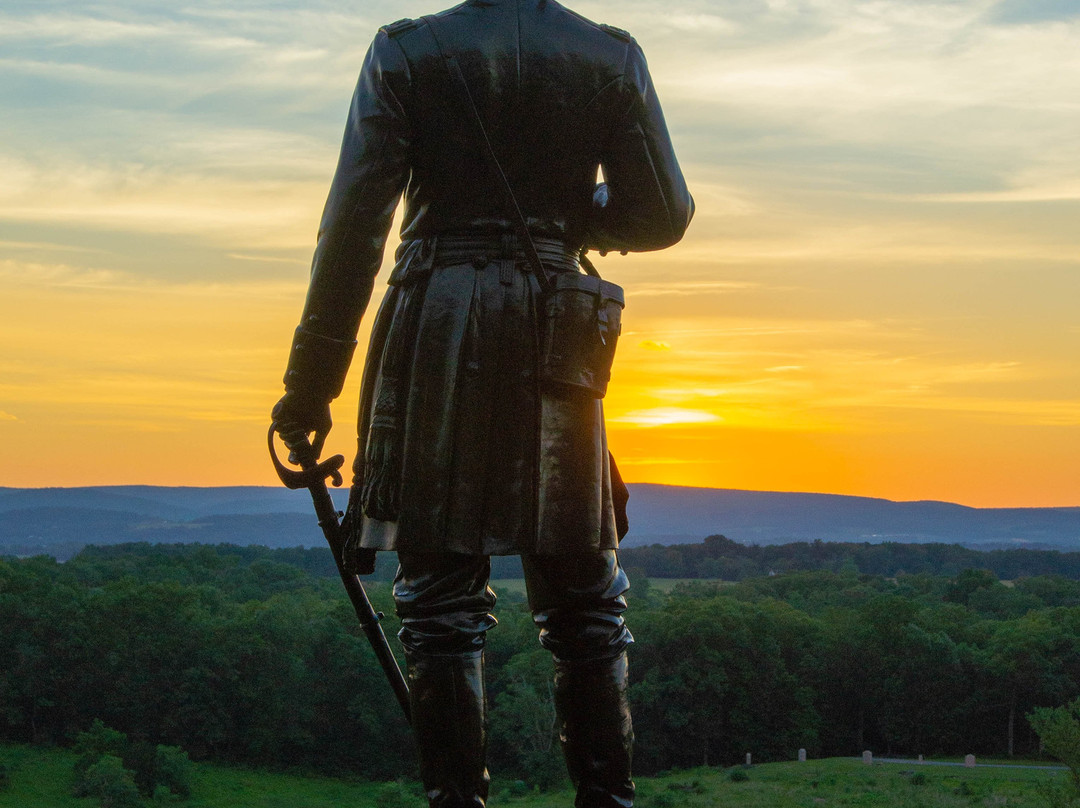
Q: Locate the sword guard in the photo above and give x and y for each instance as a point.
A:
(311, 472)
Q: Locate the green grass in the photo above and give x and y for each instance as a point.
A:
(40, 778)
(850, 783)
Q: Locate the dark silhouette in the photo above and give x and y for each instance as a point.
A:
(464, 450)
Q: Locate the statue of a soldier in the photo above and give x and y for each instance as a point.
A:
(463, 451)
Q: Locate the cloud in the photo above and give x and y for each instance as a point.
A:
(23, 273)
(135, 198)
(885, 97)
(7, 416)
(70, 29)
(46, 245)
(666, 416)
(49, 278)
(1063, 192)
(689, 288)
(843, 376)
(269, 259)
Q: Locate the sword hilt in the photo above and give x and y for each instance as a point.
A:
(311, 471)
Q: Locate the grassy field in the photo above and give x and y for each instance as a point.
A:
(40, 778)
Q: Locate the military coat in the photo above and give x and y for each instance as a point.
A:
(459, 446)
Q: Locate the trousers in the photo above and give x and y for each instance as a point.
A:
(577, 601)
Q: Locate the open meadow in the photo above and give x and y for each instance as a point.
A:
(41, 778)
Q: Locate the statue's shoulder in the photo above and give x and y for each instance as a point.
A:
(618, 33)
(396, 29)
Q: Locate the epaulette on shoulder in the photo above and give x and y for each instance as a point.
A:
(399, 27)
(618, 33)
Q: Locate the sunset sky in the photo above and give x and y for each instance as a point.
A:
(879, 295)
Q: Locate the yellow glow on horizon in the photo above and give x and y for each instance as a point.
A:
(125, 380)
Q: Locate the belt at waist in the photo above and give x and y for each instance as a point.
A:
(479, 249)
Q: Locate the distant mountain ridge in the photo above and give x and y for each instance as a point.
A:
(179, 502)
(769, 517)
(59, 521)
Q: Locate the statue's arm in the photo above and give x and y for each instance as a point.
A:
(644, 203)
(371, 174)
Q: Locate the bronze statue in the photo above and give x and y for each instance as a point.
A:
(463, 450)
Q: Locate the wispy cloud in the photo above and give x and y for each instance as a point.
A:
(690, 288)
(71, 29)
(136, 198)
(95, 75)
(47, 245)
(22, 273)
(269, 259)
(666, 416)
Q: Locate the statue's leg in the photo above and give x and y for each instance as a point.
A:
(577, 601)
(445, 607)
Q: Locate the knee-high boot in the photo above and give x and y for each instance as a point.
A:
(446, 695)
(595, 730)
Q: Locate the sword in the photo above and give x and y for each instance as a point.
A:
(312, 476)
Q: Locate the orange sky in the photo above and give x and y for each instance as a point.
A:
(880, 294)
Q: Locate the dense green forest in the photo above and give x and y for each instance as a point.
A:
(244, 654)
(720, 557)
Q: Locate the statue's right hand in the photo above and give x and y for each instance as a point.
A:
(297, 416)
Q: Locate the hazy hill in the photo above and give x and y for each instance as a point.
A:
(59, 521)
(163, 502)
(678, 515)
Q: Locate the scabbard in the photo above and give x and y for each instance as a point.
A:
(369, 618)
(312, 476)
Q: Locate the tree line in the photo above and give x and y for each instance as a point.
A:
(250, 655)
(720, 557)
